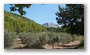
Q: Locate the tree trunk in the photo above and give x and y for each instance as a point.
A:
(53, 46)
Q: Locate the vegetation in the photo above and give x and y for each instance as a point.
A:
(35, 36)
(17, 23)
(51, 29)
(37, 40)
(72, 18)
(80, 46)
(33, 40)
(19, 8)
(9, 39)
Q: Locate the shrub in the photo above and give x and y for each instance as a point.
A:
(37, 40)
(9, 39)
(33, 40)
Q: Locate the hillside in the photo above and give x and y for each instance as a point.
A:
(17, 23)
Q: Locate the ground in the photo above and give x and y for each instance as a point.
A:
(70, 45)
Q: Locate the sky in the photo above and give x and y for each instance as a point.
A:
(40, 13)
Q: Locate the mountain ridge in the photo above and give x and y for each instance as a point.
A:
(50, 24)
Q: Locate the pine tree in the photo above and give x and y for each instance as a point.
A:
(72, 18)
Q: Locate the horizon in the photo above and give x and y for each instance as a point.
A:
(35, 12)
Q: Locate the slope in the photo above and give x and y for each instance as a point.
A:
(17, 23)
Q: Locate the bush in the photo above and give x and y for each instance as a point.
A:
(63, 37)
(33, 40)
(9, 39)
(37, 40)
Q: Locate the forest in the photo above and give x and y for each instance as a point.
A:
(23, 33)
(17, 23)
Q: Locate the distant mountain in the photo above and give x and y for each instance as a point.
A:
(50, 24)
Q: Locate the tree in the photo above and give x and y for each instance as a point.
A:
(72, 18)
(19, 8)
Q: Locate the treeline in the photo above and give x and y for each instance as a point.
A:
(51, 29)
(17, 23)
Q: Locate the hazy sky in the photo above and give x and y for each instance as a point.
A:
(40, 13)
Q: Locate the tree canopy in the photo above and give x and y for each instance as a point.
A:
(19, 8)
(72, 18)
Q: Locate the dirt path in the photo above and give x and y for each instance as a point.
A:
(19, 44)
(69, 45)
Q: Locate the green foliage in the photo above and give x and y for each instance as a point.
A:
(37, 40)
(9, 39)
(72, 18)
(33, 40)
(59, 29)
(19, 8)
(17, 23)
(64, 37)
(52, 39)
